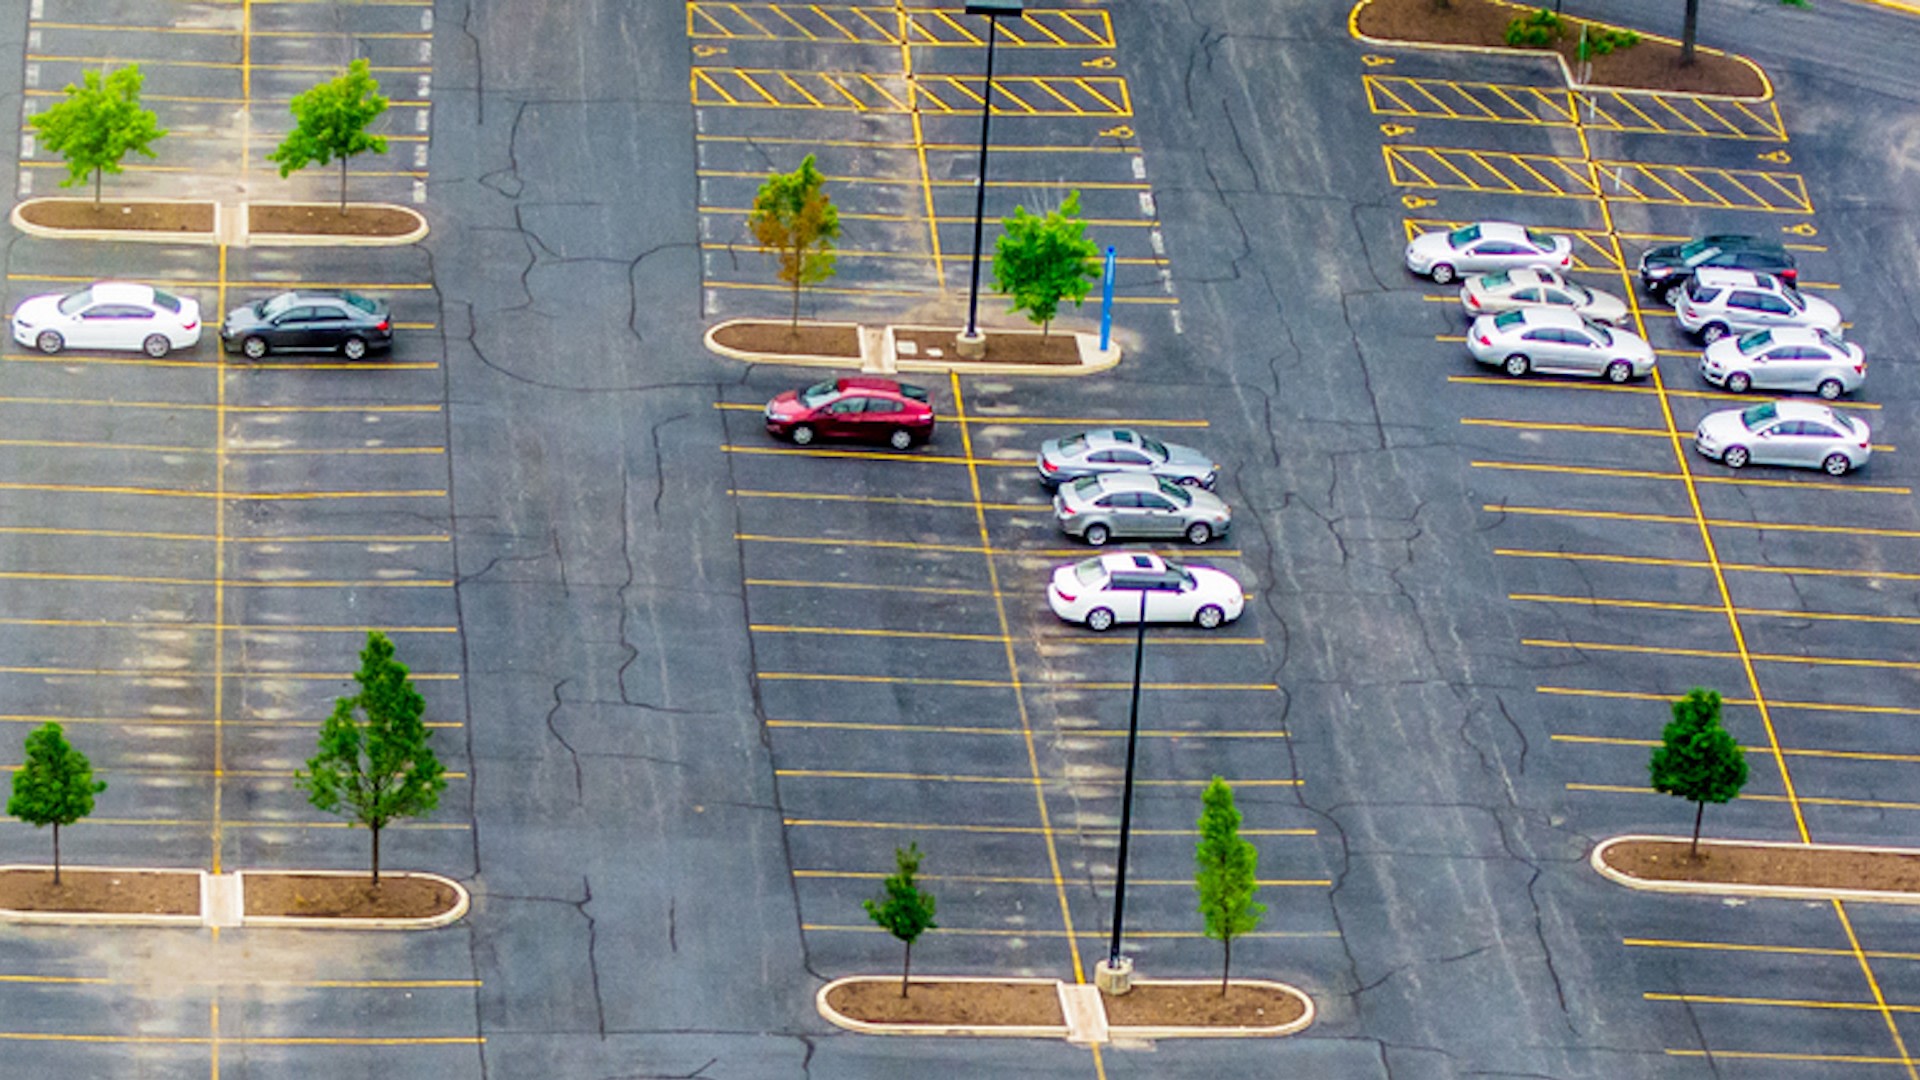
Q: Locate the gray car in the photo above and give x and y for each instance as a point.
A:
(1785, 433)
(1098, 508)
(1120, 450)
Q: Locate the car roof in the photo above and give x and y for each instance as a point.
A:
(1723, 277)
(1792, 409)
(1503, 230)
(1566, 318)
(121, 292)
(1743, 242)
(1129, 481)
(1122, 562)
(1103, 437)
(871, 384)
(1792, 335)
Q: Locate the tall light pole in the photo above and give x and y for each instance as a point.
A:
(1115, 974)
(971, 343)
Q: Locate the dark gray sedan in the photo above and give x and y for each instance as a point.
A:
(309, 320)
(1120, 450)
(1097, 508)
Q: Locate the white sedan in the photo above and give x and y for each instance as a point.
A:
(1491, 294)
(1557, 340)
(1785, 433)
(1120, 586)
(1486, 246)
(108, 315)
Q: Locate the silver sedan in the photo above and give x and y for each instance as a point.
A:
(1487, 245)
(1122, 450)
(1785, 433)
(1097, 508)
(1786, 358)
(1491, 294)
(1557, 340)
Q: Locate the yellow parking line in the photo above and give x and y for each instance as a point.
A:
(1787, 1003)
(969, 931)
(131, 579)
(877, 455)
(1701, 564)
(175, 673)
(1762, 1055)
(1000, 830)
(896, 545)
(1797, 799)
(1718, 523)
(195, 406)
(1649, 474)
(1611, 388)
(993, 879)
(129, 534)
(1595, 429)
(215, 283)
(218, 65)
(887, 500)
(1808, 706)
(263, 628)
(229, 496)
(1667, 605)
(1005, 684)
(1721, 654)
(1828, 755)
(1785, 950)
(965, 778)
(842, 631)
(1003, 420)
(926, 590)
(953, 729)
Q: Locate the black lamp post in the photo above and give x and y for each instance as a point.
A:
(992, 9)
(1116, 969)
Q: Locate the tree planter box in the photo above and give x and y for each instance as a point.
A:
(1763, 868)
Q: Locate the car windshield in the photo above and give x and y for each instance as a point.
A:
(1179, 495)
(1830, 341)
(275, 306)
(1759, 415)
(1541, 240)
(1089, 572)
(360, 302)
(73, 302)
(166, 300)
(819, 394)
(1495, 280)
(1794, 300)
(1154, 447)
(1605, 335)
(1510, 319)
(1847, 423)
(1462, 237)
(1755, 342)
(1698, 252)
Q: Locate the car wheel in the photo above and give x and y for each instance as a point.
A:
(156, 345)
(50, 342)
(1735, 457)
(1836, 464)
(1831, 389)
(1673, 294)
(254, 347)
(1714, 332)
(1099, 620)
(353, 348)
(901, 439)
(1619, 371)
(1199, 532)
(1517, 365)
(1441, 273)
(1096, 535)
(802, 434)
(1210, 617)
(1738, 382)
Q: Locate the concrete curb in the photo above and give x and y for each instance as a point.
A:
(879, 355)
(1014, 1031)
(137, 236)
(230, 227)
(1566, 73)
(90, 918)
(463, 900)
(1079, 1004)
(1300, 1023)
(1776, 892)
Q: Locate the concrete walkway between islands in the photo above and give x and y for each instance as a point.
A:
(223, 903)
(882, 353)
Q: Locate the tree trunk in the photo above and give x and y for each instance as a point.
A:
(906, 970)
(1699, 810)
(1226, 945)
(56, 853)
(1689, 33)
(96, 188)
(375, 830)
(343, 186)
(1045, 325)
(799, 262)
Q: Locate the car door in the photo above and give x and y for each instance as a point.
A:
(1120, 459)
(842, 419)
(328, 327)
(1782, 444)
(1121, 511)
(1771, 310)
(1168, 599)
(1744, 310)
(1158, 515)
(291, 329)
(1586, 353)
(1795, 367)
(1498, 255)
(112, 326)
(1125, 593)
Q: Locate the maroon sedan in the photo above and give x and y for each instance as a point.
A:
(855, 410)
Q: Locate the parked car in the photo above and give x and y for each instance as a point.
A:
(1785, 358)
(109, 315)
(1097, 508)
(855, 410)
(1665, 270)
(1114, 588)
(1507, 290)
(1556, 341)
(309, 320)
(1785, 433)
(1721, 302)
(1486, 246)
(1116, 450)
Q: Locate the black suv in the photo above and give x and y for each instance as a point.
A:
(1665, 270)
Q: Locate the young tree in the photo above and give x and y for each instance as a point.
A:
(904, 909)
(96, 125)
(1040, 261)
(55, 786)
(330, 121)
(1691, 26)
(793, 218)
(379, 769)
(1224, 875)
(1697, 760)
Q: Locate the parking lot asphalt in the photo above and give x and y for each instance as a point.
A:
(693, 685)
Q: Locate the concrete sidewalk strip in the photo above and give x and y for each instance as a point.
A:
(222, 902)
(1086, 1013)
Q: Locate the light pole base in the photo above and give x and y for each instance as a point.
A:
(1114, 977)
(971, 348)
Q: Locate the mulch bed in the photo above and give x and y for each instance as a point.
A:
(1650, 65)
(128, 216)
(1814, 868)
(1202, 1005)
(981, 1003)
(327, 896)
(1003, 347)
(102, 892)
(311, 220)
(807, 339)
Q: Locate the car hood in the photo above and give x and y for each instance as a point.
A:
(1607, 308)
(1214, 582)
(39, 310)
(1822, 314)
(1724, 427)
(1630, 343)
(1187, 459)
(244, 318)
(1429, 245)
(786, 403)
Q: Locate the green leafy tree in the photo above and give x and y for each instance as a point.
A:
(330, 121)
(97, 124)
(794, 219)
(904, 909)
(1696, 759)
(1040, 261)
(1692, 26)
(55, 786)
(1224, 873)
(376, 766)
